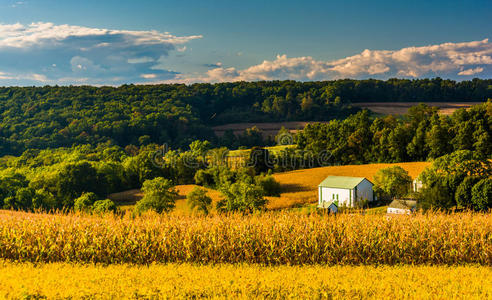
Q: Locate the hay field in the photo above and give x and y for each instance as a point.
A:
(186, 281)
(301, 186)
(400, 108)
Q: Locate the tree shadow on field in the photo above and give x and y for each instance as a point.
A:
(294, 187)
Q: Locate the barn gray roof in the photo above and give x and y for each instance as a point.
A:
(403, 204)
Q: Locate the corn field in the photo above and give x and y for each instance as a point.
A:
(191, 281)
(269, 238)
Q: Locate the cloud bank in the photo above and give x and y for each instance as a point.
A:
(45, 53)
(65, 54)
(450, 60)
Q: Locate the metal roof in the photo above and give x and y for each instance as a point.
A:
(342, 182)
(327, 204)
(403, 204)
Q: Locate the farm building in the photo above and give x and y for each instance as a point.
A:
(331, 206)
(400, 206)
(345, 191)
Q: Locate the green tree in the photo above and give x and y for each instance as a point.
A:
(259, 159)
(85, 202)
(438, 196)
(463, 195)
(270, 186)
(482, 194)
(199, 200)
(104, 206)
(75, 179)
(159, 195)
(447, 173)
(392, 182)
(241, 197)
(200, 148)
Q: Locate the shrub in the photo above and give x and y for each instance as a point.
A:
(104, 206)
(482, 194)
(84, 202)
(160, 196)
(198, 199)
(269, 185)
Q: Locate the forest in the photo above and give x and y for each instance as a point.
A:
(81, 175)
(53, 116)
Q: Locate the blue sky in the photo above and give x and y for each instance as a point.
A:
(148, 41)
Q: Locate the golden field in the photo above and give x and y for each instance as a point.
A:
(301, 186)
(127, 199)
(186, 281)
(274, 238)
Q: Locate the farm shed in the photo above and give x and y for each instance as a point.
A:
(331, 206)
(346, 191)
(400, 206)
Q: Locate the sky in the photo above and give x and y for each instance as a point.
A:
(108, 42)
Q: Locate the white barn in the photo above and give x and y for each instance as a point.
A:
(345, 191)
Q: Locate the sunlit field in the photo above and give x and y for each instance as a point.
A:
(186, 281)
(274, 238)
(301, 186)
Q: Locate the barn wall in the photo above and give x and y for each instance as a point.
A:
(343, 195)
(364, 190)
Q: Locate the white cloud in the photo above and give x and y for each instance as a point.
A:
(49, 34)
(103, 55)
(18, 3)
(471, 71)
(448, 59)
(148, 76)
(40, 78)
(45, 53)
(140, 60)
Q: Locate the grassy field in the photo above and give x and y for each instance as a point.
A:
(275, 238)
(185, 281)
(300, 187)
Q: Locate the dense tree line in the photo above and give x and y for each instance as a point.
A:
(82, 177)
(51, 117)
(420, 135)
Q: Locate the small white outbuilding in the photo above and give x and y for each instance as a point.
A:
(402, 206)
(345, 191)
